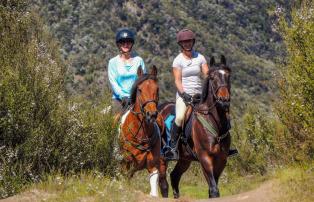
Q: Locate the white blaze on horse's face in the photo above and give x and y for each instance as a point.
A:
(223, 72)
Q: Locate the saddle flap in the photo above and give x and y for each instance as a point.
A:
(187, 115)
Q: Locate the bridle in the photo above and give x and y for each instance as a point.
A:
(139, 141)
(217, 99)
(142, 104)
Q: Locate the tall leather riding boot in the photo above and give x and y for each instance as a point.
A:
(175, 133)
(172, 153)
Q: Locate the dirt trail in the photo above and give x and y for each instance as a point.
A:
(264, 193)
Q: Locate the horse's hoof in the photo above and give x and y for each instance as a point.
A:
(164, 192)
(164, 195)
(214, 194)
(176, 195)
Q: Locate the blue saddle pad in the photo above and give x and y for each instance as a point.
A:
(168, 123)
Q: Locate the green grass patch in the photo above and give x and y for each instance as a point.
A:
(94, 186)
(296, 183)
(193, 184)
(293, 183)
(88, 186)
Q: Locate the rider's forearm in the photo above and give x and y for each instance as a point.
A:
(179, 86)
(205, 70)
(178, 79)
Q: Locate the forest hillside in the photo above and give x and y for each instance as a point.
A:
(244, 31)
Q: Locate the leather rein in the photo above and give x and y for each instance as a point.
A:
(136, 141)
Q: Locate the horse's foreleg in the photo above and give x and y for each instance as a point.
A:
(152, 167)
(176, 174)
(153, 181)
(208, 171)
(163, 184)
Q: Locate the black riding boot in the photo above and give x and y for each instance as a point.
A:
(172, 152)
(232, 152)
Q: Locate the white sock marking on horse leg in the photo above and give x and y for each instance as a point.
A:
(153, 180)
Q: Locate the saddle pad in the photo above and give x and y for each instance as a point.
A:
(123, 117)
(168, 125)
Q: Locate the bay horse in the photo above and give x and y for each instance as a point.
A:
(206, 138)
(139, 130)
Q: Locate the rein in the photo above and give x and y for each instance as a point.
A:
(207, 111)
(142, 105)
(136, 142)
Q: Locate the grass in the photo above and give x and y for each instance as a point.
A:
(293, 183)
(296, 183)
(86, 186)
(96, 187)
(193, 184)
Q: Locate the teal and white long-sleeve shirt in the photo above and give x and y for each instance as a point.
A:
(122, 75)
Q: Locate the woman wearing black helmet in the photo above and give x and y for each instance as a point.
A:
(122, 69)
(188, 67)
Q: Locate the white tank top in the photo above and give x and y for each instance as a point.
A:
(191, 71)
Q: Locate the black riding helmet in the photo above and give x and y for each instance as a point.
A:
(125, 34)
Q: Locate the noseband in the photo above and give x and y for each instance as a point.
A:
(223, 103)
(143, 104)
(216, 98)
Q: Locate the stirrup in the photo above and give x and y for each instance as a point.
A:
(232, 152)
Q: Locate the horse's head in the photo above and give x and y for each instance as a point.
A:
(218, 83)
(145, 94)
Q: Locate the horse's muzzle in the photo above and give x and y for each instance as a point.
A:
(151, 116)
(225, 105)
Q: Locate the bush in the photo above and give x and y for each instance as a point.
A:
(254, 135)
(295, 106)
(40, 130)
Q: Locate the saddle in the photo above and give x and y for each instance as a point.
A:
(169, 120)
(196, 99)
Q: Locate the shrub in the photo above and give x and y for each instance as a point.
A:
(295, 106)
(40, 130)
(253, 135)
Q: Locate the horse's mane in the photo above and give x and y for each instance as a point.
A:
(205, 88)
(205, 84)
(141, 79)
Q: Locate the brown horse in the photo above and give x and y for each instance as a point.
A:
(139, 130)
(206, 138)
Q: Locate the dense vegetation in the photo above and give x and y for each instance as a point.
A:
(296, 105)
(41, 131)
(242, 30)
(47, 124)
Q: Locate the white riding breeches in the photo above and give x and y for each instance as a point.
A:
(180, 111)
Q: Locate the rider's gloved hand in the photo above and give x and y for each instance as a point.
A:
(186, 97)
(125, 101)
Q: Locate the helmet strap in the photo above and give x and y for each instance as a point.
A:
(185, 48)
(123, 52)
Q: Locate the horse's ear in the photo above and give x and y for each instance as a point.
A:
(154, 71)
(223, 60)
(212, 61)
(139, 71)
